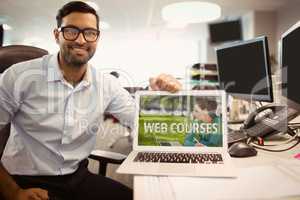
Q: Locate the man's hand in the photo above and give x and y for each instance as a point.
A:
(165, 82)
(32, 194)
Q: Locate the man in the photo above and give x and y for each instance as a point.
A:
(55, 104)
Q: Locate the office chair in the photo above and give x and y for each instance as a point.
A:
(104, 158)
(115, 140)
(10, 55)
(4, 135)
(13, 54)
(108, 157)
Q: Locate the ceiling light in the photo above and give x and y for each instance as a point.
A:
(104, 25)
(191, 12)
(93, 5)
(6, 27)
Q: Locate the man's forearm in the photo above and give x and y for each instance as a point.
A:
(8, 187)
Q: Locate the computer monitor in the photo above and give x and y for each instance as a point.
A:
(290, 65)
(225, 31)
(1, 35)
(244, 69)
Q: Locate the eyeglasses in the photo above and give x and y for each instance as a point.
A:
(71, 33)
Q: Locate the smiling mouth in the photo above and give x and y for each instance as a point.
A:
(79, 50)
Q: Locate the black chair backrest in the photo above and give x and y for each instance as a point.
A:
(4, 135)
(10, 55)
(13, 54)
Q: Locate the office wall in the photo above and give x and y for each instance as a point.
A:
(254, 24)
(149, 56)
(286, 17)
(271, 24)
(209, 53)
(248, 25)
(266, 24)
(137, 59)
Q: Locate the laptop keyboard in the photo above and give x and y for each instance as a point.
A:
(163, 157)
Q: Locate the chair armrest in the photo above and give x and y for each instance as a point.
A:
(105, 157)
(108, 155)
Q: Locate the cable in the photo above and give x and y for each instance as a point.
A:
(276, 150)
(285, 142)
(294, 125)
(290, 132)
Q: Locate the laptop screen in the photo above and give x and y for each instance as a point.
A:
(180, 120)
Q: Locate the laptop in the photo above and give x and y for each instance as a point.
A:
(180, 134)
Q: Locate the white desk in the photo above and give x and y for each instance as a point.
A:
(260, 177)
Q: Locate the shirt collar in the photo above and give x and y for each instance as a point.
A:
(87, 78)
(54, 73)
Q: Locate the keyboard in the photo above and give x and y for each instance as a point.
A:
(168, 157)
(236, 136)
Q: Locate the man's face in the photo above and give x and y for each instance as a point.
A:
(77, 52)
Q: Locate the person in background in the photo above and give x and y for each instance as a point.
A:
(55, 105)
(205, 111)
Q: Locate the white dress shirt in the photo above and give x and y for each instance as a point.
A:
(54, 124)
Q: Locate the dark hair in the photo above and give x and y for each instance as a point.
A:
(207, 103)
(205, 87)
(75, 6)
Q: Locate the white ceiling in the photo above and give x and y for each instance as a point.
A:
(36, 18)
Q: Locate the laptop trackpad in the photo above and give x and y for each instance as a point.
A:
(176, 168)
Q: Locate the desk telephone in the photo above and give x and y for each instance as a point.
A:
(268, 120)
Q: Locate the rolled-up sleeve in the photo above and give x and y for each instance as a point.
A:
(122, 105)
(123, 108)
(9, 104)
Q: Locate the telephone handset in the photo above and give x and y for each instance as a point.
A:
(259, 126)
(252, 118)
